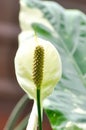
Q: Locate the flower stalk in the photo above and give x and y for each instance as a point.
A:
(39, 109)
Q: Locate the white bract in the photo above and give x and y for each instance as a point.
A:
(24, 66)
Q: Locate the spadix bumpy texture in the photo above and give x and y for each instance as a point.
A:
(38, 66)
(50, 66)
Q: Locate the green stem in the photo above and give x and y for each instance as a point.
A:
(39, 109)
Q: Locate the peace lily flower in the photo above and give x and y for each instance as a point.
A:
(26, 61)
(37, 66)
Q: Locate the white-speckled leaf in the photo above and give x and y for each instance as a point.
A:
(67, 31)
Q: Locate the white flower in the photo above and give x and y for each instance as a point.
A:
(24, 66)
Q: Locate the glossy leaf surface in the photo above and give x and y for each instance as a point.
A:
(66, 29)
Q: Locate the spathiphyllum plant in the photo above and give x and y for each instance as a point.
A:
(37, 65)
(38, 69)
(50, 66)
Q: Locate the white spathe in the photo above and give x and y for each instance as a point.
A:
(24, 66)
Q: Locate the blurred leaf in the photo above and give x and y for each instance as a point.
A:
(66, 29)
(16, 113)
(72, 126)
(22, 125)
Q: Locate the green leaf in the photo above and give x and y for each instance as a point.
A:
(16, 113)
(22, 125)
(72, 127)
(66, 29)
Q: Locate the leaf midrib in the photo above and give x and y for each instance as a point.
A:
(79, 72)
